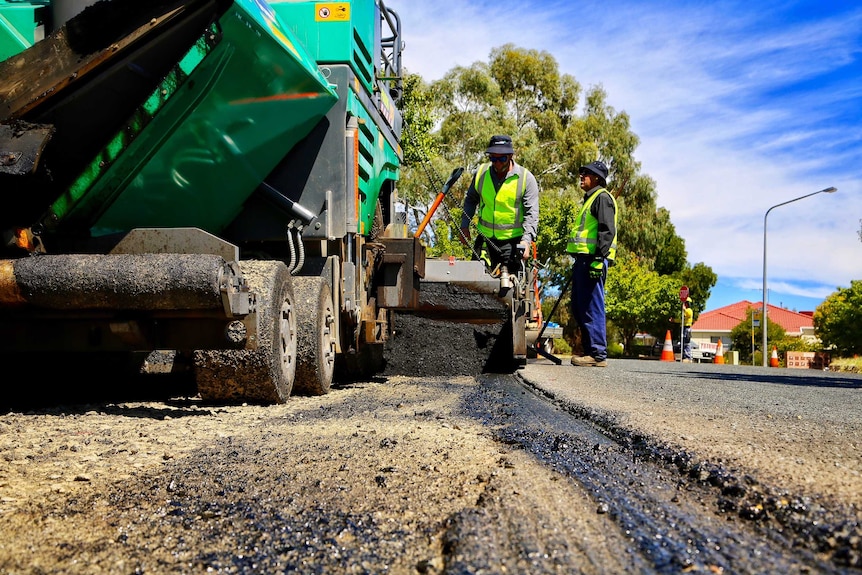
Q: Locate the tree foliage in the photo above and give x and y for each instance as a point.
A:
(418, 121)
(633, 297)
(838, 320)
(699, 279)
(556, 127)
(744, 335)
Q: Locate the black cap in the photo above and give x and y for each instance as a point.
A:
(598, 168)
(500, 145)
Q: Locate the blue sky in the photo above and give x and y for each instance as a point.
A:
(739, 106)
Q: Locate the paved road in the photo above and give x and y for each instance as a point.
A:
(791, 437)
(664, 468)
(798, 429)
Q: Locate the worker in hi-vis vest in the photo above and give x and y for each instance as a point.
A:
(507, 197)
(593, 244)
(687, 320)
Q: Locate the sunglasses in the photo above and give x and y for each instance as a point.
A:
(498, 159)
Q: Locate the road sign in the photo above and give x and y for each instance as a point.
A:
(683, 293)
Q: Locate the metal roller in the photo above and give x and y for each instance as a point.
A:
(118, 282)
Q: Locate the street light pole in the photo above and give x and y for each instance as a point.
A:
(828, 190)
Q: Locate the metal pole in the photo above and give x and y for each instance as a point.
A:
(828, 190)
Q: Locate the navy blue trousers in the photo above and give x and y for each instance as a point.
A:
(588, 308)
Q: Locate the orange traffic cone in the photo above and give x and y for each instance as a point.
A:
(667, 350)
(719, 353)
(773, 361)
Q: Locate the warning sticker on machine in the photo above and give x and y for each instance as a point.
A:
(332, 12)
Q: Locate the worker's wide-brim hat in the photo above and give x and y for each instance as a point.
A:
(598, 168)
(500, 145)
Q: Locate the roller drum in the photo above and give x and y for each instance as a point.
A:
(115, 282)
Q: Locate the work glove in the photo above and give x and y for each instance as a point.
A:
(597, 266)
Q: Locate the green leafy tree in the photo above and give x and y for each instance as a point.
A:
(529, 81)
(633, 296)
(667, 310)
(744, 334)
(557, 209)
(668, 248)
(418, 142)
(700, 279)
(425, 170)
(838, 320)
(556, 127)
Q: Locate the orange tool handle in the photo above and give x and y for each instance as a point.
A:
(430, 213)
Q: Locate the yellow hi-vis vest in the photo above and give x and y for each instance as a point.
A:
(501, 213)
(585, 234)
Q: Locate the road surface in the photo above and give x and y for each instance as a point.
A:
(645, 466)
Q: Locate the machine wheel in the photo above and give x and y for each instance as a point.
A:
(316, 337)
(265, 374)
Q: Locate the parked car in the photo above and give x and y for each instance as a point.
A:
(658, 347)
(697, 354)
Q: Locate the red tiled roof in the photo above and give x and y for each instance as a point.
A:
(727, 317)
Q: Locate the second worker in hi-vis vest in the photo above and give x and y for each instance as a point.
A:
(507, 197)
(593, 244)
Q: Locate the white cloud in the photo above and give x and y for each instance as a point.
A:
(737, 111)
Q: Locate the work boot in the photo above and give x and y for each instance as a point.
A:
(587, 361)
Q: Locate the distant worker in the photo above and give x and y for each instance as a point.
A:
(687, 319)
(593, 243)
(507, 196)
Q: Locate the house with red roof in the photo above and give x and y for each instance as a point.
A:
(717, 324)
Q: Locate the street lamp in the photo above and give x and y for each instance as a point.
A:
(763, 314)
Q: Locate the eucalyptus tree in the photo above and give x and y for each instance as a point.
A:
(556, 126)
(424, 167)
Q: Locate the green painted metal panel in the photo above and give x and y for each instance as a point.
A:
(348, 33)
(20, 26)
(378, 161)
(337, 32)
(207, 137)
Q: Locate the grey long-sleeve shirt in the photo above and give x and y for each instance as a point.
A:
(531, 202)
